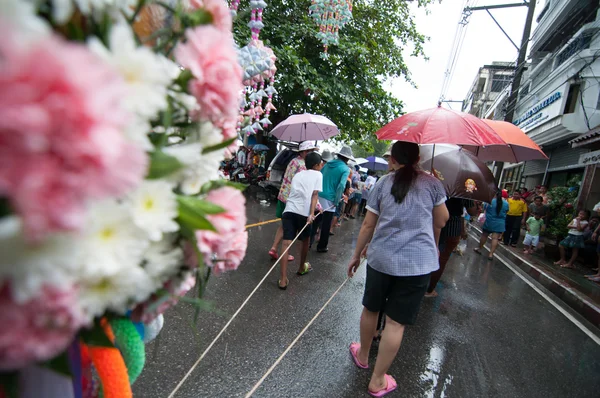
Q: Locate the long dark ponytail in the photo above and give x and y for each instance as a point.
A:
(499, 202)
(406, 154)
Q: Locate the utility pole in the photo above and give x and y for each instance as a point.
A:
(520, 68)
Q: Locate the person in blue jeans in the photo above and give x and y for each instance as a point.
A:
(495, 223)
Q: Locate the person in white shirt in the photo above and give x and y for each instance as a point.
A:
(299, 211)
(574, 239)
(369, 184)
(241, 157)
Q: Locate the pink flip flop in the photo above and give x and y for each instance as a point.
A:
(391, 385)
(354, 347)
(275, 256)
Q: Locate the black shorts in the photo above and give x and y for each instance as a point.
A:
(292, 224)
(401, 295)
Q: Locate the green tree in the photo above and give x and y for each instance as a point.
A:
(369, 147)
(348, 87)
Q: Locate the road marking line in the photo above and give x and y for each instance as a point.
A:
(258, 224)
(234, 316)
(570, 317)
(262, 379)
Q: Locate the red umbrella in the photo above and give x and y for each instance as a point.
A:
(518, 146)
(440, 126)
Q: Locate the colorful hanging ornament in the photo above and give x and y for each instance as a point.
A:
(330, 15)
(258, 63)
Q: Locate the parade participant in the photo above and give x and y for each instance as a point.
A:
(369, 184)
(574, 239)
(356, 195)
(535, 223)
(450, 237)
(316, 225)
(241, 157)
(516, 216)
(406, 213)
(263, 159)
(335, 174)
(495, 223)
(299, 210)
(294, 167)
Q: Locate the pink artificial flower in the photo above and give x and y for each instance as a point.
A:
(39, 329)
(61, 133)
(211, 57)
(225, 249)
(229, 130)
(218, 10)
(159, 304)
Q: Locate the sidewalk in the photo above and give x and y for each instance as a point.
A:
(569, 285)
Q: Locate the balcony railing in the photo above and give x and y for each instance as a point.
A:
(581, 42)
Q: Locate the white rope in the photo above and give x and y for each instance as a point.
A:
(235, 315)
(262, 379)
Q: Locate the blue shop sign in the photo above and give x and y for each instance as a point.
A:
(551, 99)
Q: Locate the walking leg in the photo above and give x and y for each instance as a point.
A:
(388, 348)
(326, 226)
(368, 327)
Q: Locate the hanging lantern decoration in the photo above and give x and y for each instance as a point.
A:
(330, 15)
(258, 63)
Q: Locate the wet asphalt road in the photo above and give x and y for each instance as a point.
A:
(488, 334)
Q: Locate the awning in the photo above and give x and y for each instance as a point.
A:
(590, 137)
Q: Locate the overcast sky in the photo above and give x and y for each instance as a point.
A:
(484, 42)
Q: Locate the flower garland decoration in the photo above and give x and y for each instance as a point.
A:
(331, 16)
(111, 204)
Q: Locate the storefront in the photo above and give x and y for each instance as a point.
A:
(589, 194)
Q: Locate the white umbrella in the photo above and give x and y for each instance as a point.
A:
(306, 127)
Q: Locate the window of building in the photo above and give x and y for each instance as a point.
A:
(499, 82)
(481, 84)
(524, 91)
(572, 98)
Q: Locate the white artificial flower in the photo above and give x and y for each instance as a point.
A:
(137, 132)
(113, 7)
(154, 208)
(29, 266)
(188, 102)
(146, 73)
(199, 168)
(19, 16)
(117, 292)
(195, 176)
(111, 240)
(163, 260)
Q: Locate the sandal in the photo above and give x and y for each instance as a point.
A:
(390, 386)
(354, 347)
(275, 256)
(567, 266)
(283, 287)
(477, 250)
(306, 268)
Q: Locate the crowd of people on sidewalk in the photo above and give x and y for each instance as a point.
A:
(409, 232)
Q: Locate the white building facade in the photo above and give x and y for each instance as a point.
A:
(559, 97)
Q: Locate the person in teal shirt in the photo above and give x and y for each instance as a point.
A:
(335, 174)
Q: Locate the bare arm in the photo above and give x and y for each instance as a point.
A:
(313, 206)
(440, 218)
(364, 237)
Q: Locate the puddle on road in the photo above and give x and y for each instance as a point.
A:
(431, 378)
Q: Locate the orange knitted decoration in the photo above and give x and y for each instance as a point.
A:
(111, 368)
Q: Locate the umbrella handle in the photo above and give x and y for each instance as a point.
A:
(432, 157)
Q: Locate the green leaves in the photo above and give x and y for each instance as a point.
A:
(193, 212)
(59, 364)
(221, 145)
(162, 165)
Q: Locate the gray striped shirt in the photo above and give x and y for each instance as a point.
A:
(403, 243)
